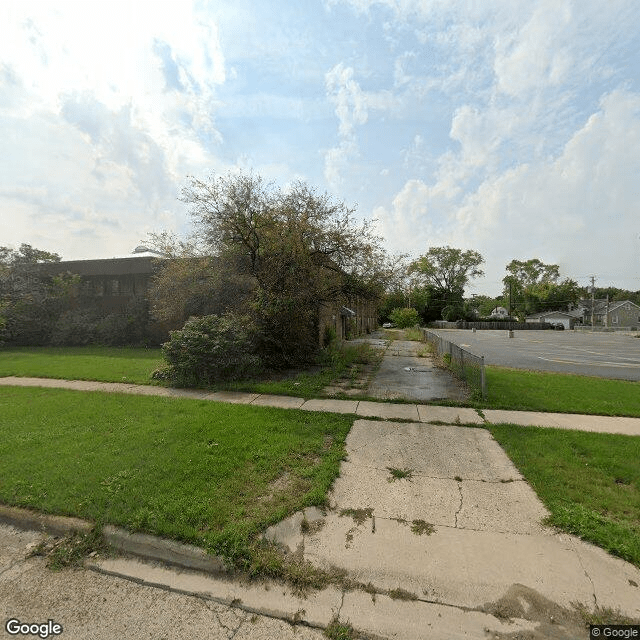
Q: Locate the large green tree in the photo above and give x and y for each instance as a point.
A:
(30, 303)
(532, 286)
(295, 249)
(444, 272)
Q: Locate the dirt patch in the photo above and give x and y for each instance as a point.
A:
(280, 485)
(554, 621)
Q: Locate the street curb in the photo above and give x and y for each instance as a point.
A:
(33, 520)
(142, 545)
(168, 551)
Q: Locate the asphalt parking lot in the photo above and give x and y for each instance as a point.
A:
(603, 355)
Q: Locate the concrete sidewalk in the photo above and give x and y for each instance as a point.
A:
(366, 409)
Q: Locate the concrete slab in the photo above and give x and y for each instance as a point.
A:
(331, 406)
(282, 402)
(450, 415)
(409, 377)
(94, 606)
(511, 507)
(234, 397)
(421, 620)
(438, 451)
(598, 424)
(267, 598)
(289, 533)
(434, 500)
(387, 411)
(452, 566)
(15, 544)
(616, 583)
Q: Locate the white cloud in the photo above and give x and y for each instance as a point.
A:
(352, 106)
(106, 107)
(578, 209)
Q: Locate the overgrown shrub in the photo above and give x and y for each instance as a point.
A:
(84, 326)
(404, 318)
(453, 312)
(286, 330)
(329, 337)
(212, 348)
(74, 328)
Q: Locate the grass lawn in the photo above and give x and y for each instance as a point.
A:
(564, 393)
(105, 364)
(590, 482)
(208, 473)
(134, 365)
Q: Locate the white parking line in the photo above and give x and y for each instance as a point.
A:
(592, 362)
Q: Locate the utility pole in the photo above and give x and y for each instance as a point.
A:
(593, 302)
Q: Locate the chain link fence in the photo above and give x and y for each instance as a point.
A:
(464, 365)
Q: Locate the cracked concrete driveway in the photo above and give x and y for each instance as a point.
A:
(407, 372)
(462, 529)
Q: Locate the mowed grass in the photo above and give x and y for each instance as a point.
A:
(105, 364)
(208, 473)
(590, 482)
(564, 393)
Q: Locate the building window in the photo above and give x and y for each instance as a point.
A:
(614, 319)
(115, 287)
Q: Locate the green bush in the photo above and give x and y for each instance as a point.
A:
(83, 326)
(74, 329)
(453, 312)
(330, 336)
(404, 318)
(212, 348)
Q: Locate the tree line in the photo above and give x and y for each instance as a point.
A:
(267, 259)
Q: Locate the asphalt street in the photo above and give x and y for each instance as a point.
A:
(603, 355)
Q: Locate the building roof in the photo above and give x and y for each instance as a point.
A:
(104, 267)
(615, 305)
(543, 314)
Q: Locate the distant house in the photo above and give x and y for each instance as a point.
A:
(499, 312)
(621, 314)
(567, 319)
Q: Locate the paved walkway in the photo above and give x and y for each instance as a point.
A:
(408, 373)
(383, 410)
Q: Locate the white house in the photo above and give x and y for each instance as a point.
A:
(554, 317)
(499, 312)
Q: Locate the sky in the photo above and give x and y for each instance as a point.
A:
(511, 127)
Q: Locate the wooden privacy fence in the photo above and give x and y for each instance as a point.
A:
(465, 365)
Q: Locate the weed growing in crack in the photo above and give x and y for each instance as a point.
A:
(358, 515)
(297, 616)
(420, 527)
(602, 615)
(399, 474)
(340, 631)
(401, 594)
(70, 550)
(457, 478)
